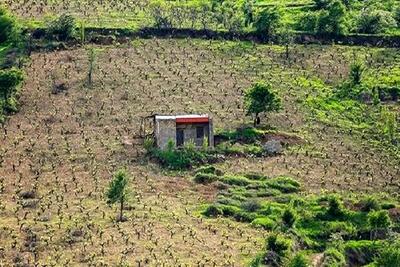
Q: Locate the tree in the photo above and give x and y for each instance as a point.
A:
(287, 38)
(332, 20)
(260, 98)
(267, 21)
(375, 21)
(92, 58)
(117, 190)
(9, 80)
(248, 11)
(63, 28)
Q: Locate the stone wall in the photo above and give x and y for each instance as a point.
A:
(165, 131)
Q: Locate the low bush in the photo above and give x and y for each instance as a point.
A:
(236, 180)
(389, 256)
(264, 222)
(284, 184)
(299, 260)
(228, 210)
(362, 252)
(279, 244)
(205, 178)
(8, 27)
(335, 208)
(212, 211)
(182, 158)
(333, 258)
(370, 203)
(251, 205)
(209, 169)
(289, 217)
(61, 28)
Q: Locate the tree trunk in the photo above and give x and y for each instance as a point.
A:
(287, 51)
(121, 208)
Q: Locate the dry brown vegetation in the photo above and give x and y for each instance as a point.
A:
(58, 153)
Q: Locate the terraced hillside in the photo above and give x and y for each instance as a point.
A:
(58, 153)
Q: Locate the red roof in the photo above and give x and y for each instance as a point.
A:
(192, 120)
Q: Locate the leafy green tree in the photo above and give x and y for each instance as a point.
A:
(260, 98)
(267, 20)
(287, 38)
(332, 20)
(248, 11)
(308, 22)
(375, 21)
(117, 190)
(63, 28)
(9, 80)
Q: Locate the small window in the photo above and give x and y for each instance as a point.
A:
(200, 132)
(180, 137)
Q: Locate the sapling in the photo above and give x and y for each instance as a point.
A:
(117, 191)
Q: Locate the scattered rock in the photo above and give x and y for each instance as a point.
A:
(29, 203)
(273, 147)
(27, 194)
(59, 87)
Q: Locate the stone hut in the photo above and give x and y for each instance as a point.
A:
(182, 129)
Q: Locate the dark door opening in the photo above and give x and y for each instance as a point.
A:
(180, 137)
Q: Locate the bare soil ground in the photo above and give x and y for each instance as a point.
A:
(66, 146)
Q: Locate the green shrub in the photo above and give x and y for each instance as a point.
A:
(213, 211)
(332, 19)
(229, 210)
(9, 80)
(62, 28)
(362, 252)
(267, 20)
(264, 222)
(345, 228)
(335, 208)
(299, 260)
(379, 220)
(284, 184)
(279, 244)
(178, 159)
(370, 203)
(308, 22)
(251, 205)
(333, 258)
(389, 256)
(148, 145)
(255, 176)
(8, 27)
(205, 178)
(210, 170)
(356, 72)
(236, 180)
(375, 21)
(289, 217)
(243, 216)
(388, 206)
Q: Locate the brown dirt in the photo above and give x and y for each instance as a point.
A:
(67, 145)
